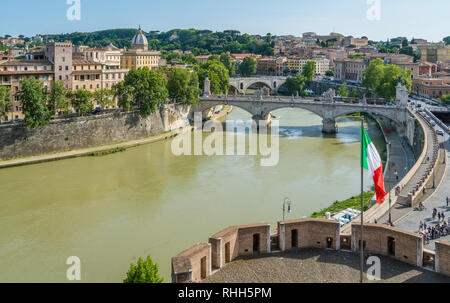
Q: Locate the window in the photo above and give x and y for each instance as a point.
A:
(60, 67)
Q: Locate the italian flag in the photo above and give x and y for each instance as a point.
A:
(370, 160)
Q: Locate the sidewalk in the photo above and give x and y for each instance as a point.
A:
(399, 210)
(411, 220)
(87, 151)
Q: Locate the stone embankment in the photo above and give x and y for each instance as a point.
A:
(19, 141)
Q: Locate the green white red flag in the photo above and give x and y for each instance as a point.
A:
(370, 160)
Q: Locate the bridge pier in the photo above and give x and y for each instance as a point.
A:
(267, 119)
(329, 126)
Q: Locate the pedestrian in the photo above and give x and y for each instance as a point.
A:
(439, 217)
(447, 201)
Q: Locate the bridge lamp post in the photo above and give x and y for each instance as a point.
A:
(287, 202)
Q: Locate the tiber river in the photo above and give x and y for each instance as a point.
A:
(111, 210)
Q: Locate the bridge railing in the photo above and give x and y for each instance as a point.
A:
(438, 121)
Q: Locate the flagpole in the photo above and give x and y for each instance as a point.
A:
(362, 207)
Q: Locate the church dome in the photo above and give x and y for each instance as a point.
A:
(139, 41)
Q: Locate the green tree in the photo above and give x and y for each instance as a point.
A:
(446, 40)
(104, 97)
(373, 74)
(445, 99)
(387, 86)
(309, 70)
(343, 91)
(81, 101)
(296, 85)
(124, 96)
(58, 98)
(229, 63)
(329, 73)
(5, 101)
(218, 75)
(148, 89)
(356, 93)
(34, 103)
(183, 86)
(248, 66)
(145, 271)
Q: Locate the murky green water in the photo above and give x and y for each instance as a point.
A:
(110, 210)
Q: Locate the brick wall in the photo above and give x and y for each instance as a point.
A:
(310, 233)
(442, 261)
(408, 246)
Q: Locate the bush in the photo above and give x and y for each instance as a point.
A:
(144, 272)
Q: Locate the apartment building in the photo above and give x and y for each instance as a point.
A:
(349, 69)
(11, 75)
(296, 64)
(86, 75)
(432, 87)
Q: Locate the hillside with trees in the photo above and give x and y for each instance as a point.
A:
(199, 42)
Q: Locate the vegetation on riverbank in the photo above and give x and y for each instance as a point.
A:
(108, 152)
(353, 202)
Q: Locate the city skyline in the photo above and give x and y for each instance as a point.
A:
(285, 18)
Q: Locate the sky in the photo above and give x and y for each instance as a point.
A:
(428, 19)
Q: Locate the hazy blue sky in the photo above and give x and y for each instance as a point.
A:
(427, 19)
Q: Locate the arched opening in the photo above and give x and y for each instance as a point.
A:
(297, 122)
(255, 88)
(283, 90)
(232, 90)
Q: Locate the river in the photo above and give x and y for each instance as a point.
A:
(111, 210)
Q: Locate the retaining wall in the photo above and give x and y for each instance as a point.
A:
(17, 141)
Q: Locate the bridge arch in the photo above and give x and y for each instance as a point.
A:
(260, 84)
(210, 106)
(389, 115)
(298, 106)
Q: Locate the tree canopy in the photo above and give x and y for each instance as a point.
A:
(145, 89)
(218, 75)
(34, 103)
(183, 86)
(296, 85)
(343, 91)
(145, 271)
(229, 63)
(5, 101)
(383, 79)
(248, 66)
(309, 70)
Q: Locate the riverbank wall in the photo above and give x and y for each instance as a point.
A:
(18, 141)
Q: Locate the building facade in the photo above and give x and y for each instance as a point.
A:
(432, 87)
(349, 69)
(13, 72)
(296, 64)
(139, 56)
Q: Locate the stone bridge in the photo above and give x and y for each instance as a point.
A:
(240, 85)
(260, 108)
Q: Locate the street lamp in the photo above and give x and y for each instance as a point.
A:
(287, 202)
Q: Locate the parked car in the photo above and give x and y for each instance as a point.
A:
(433, 123)
(440, 132)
